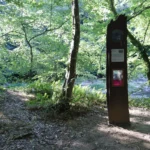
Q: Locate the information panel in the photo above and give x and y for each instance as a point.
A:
(117, 55)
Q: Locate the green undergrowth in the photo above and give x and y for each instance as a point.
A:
(47, 96)
(2, 90)
(20, 86)
(87, 97)
(141, 103)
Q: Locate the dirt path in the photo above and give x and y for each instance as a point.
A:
(21, 129)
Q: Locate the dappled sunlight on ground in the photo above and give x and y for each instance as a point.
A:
(124, 134)
(140, 112)
(22, 95)
(88, 131)
(4, 118)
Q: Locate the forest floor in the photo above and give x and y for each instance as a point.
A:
(23, 129)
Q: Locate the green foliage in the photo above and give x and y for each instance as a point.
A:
(2, 89)
(50, 49)
(143, 103)
(84, 96)
(41, 87)
(48, 95)
(2, 78)
(45, 94)
(17, 2)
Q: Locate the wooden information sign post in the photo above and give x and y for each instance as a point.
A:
(117, 88)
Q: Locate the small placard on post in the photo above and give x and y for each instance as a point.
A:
(117, 55)
(118, 78)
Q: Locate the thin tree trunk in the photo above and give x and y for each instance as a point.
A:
(71, 69)
(31, 51)
(31, 57)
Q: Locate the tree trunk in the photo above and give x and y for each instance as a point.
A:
(71, 69)
(31, 51)
(143, 53)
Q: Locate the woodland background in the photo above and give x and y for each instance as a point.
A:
(35, 41)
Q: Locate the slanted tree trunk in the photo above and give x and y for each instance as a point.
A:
(71, 69)
(142, 51)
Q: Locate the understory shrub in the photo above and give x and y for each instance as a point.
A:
(87, 97)
(144, 103)
(48, 94)
(45, 93)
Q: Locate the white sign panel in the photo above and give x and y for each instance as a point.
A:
(117, 55)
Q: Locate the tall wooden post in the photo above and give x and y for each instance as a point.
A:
(117, 87)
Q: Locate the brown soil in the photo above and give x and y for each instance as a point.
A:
(23, 129)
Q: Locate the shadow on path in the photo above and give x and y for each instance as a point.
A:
(21, 129)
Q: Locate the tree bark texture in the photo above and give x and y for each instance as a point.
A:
(71, 69)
